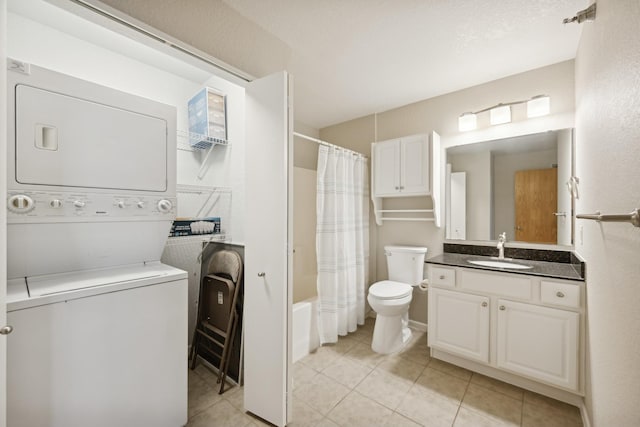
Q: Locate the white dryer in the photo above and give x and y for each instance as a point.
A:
(100, 325)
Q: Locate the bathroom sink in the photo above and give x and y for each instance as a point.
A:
(500, 264)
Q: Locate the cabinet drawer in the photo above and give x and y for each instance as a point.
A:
(443, 276)
(497, 284)
(565, 294)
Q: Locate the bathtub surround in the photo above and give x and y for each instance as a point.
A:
(342, 241)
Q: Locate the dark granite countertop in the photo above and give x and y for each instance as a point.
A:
(556, 270)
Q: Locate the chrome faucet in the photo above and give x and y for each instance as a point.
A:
(502, 239)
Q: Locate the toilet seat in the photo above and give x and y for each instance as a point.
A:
(389, 290)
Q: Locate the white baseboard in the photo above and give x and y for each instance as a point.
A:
(418, 326)
(586, 422)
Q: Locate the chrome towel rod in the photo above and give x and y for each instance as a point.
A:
(633, 217)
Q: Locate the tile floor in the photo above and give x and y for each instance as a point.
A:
(347, 384)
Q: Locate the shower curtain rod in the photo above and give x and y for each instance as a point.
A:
(328, 144)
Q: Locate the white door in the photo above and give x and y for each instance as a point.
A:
(539, 342)
(386, 168)
(3, 213)
(459, 324)
(268, 272)
(414, 165)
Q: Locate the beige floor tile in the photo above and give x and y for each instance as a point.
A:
(322, 393)
(442, 385)
(320, 359)
(427, 409)
(397, 420)
(363, 334)
(347, 372)
(343, 345)
(222, 414)
(416, 350)
(538, 408)
(555, 406)
(384, 388)
(201, 396)
(497, 385)
(450, 369)
(356, 410)
(326, 422)
(363, 354)
(235, 396)
(304, 415)
(401, 368)
(469, 418)
(302, 374)
(494, 405)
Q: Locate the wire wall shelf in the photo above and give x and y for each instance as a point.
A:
(186, 141)
(201, 202)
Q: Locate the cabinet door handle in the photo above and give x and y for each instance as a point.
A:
(442, 277)
(397, 188)
(484, 304)
(402, 187)
(560, 294)
(262, 274)
(6, 330)
(502, 307)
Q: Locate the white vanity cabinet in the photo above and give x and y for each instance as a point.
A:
(459, 323)
(539, 342)
(401, 167)
(523, 329)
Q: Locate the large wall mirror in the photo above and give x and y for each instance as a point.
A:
(515, 185)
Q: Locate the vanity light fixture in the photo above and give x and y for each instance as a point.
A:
(537, 106)
(500, 114)
(467, 121)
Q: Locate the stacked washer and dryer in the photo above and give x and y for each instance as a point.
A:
(100, 325)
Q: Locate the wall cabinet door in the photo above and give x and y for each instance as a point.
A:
(401, 167)
(539, 342)
(414, 165)
(386, 168)
(459, 324)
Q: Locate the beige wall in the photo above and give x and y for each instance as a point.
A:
(607, 154)
(305, 271)
(441, 114)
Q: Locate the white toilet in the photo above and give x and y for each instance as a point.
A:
(390, 299)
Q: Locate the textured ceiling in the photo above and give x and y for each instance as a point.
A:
(351, 58)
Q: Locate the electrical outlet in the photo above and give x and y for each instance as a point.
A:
(18, 66)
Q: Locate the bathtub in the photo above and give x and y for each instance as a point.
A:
(305, 328)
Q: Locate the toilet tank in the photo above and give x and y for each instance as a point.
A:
(405, 263)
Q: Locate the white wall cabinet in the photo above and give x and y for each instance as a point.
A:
(401, 167)
(406, 167)
(539, 342)
(521, 329)
(459, 323)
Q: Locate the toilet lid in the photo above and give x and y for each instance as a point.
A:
(389, 289)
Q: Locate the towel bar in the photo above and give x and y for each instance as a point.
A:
(633, 217)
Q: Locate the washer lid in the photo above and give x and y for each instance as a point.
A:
(388, 289)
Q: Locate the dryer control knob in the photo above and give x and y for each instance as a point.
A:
(20, 203)
(140, 204)
(164, 205)
(78, 204)
(120, 204)
(55, 203)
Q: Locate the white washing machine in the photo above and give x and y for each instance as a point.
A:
(100, 325)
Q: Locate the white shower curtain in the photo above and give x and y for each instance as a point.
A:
(342, 241)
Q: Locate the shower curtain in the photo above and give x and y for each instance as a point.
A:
(342, 241)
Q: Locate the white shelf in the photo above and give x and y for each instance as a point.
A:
(184, 138)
